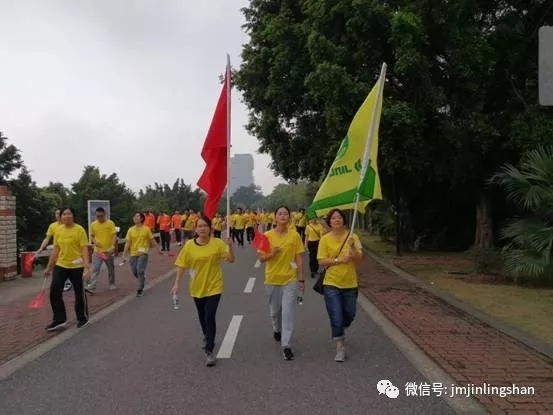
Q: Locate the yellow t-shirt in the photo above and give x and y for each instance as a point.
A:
(272, 219)
(190, 223)
(301, 221)
(139, 239)
(103, 232)
(204, 263)
(238, 221)
(279, 270)
(314, 232)
(342, 275)
(51, 231)
(217, 224)
(250, 220)
(70, 242)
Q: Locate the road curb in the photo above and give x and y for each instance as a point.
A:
(523, 337)
(18, 362)
(420, 360)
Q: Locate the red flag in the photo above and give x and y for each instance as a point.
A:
(215, 152)
(261, 242)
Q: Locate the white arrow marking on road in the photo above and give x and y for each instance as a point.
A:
(249, 285)
(225, 351)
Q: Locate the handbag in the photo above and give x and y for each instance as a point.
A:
(319, 287)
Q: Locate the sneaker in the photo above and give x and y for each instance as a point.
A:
(55, 325)
(340, 355)
(67, 286)
(287, 354)
(210, 359)
(140, 293)
(277, 336)
(82, 324)
(112, 287)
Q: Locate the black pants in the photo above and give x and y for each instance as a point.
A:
(165, 240)
(239, 236)
(178, 235)
(249, 234)
(233, 234)
(313, 247)
(59, 276)
(207, 311)
(217, 234)
(301, 231)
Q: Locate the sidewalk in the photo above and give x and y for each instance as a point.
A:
(22, 328)
(471, 351)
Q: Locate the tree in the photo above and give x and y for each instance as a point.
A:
(58, 194)
(10, 159)
(295, 196)
(460, 95)
(180, 196)
(529, 253)
(94, 185)
(34, 210)
(248, 197)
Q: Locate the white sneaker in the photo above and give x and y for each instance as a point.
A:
(340, 355)
(67, 286)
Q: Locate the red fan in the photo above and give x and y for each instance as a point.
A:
(261, 242)
(103, 256)
(39, 300)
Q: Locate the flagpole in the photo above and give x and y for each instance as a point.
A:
(229, 86)
(368, 145)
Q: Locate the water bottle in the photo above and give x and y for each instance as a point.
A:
(175, 302)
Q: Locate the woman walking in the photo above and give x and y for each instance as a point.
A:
(70, 260)
(202, 257)
(339, 254)
(283, 273)
(313, 233)
(139, 241)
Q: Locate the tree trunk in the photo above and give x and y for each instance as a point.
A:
(484, 231)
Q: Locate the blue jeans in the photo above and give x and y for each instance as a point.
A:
(341, 305)
(138, 269)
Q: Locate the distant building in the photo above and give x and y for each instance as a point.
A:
(241, 171)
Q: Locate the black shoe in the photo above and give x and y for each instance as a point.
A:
(277, 336)
(287, 353)
(56, 325)
(140, 293)
(82, 324)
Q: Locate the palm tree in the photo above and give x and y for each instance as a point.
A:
(528, 254)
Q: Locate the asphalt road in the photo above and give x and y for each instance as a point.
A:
(145, 358)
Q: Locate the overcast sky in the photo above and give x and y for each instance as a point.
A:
(127, 85)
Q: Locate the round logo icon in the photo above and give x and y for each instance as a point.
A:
(343, 148)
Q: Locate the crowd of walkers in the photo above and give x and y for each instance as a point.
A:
(332, 251)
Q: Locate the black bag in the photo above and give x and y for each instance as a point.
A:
(319, 287)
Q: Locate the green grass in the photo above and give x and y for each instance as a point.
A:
(527, 309)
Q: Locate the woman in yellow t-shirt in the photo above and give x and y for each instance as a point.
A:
(313, 233)
(139, 241)
(217, 224)
(283, 273)
(202, 257)
(338, 253)
(69, 261)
